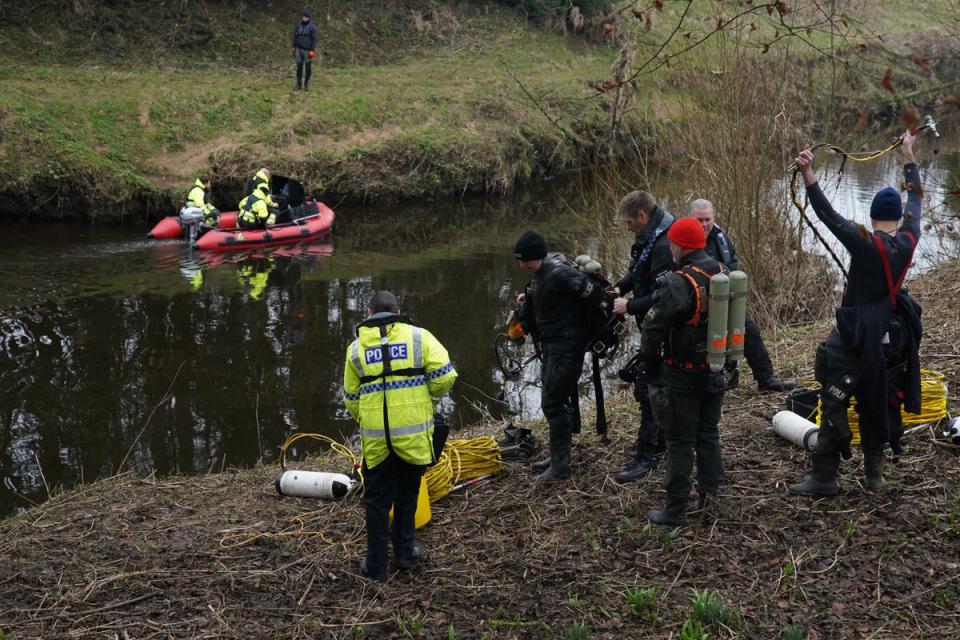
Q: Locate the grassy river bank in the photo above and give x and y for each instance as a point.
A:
(180, 556)
(108, 110)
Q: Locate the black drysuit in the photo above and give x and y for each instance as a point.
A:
(650, 260)
(878, 327)
(555, 311)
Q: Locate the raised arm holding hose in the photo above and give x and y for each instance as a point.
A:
(878, 328)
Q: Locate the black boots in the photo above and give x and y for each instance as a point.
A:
(362, 565)
(409, 561)
(773, 383)
(671, 516)
(636, 468)
(873, 471)
(541, 465)
(822, 480)
(559, 465)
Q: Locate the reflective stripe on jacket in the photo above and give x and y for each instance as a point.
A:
(256, 208)
(409, 396)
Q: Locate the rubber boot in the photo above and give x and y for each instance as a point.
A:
(559, 468)
(636, 468)
(822, 480)
(410, 561)
(671, 516)
(541, 465)
(306, 76)
(773, 383)
(873, 470)
(299, 76)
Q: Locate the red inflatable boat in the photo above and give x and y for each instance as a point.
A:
(308, 229)
(170, 229)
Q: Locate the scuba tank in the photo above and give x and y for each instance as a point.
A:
(717, 322)
(796, 429)
(312, 484)
(737, 318)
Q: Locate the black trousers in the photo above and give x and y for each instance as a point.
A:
(755, 351)
(650, 438)
(395, 483)
(560, 372)
(689, 417)
(837, 369)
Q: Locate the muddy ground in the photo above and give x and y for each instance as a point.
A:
(178, 557)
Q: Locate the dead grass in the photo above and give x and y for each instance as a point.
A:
(156, 558)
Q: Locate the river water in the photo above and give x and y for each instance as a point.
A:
(122, 353)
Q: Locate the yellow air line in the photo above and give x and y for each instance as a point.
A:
(232, 540)
(933, 404)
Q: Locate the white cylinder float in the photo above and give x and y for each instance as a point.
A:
(312, 484)
(796, 429)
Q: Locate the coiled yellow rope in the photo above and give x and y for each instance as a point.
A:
(462, 460)
(933, 404)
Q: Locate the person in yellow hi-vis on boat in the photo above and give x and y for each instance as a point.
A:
(394, 374)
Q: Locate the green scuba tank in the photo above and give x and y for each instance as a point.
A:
(738, 317)
(717, 321)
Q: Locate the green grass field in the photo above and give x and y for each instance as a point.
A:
(111, 110)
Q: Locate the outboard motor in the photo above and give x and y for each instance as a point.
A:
(190, 219)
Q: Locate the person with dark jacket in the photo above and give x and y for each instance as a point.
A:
(304, 49)
(553, 308)
(877, 320)
(720, 247)
(650, 260)
(688, 401)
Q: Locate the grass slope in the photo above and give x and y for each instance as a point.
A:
(108, 109)
(411, 99)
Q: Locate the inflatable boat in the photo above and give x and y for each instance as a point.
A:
(314, 226)
(170, 228)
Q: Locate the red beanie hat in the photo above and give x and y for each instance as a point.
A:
(687, 233)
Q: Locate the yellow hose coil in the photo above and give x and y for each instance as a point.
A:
(462, 460)
(933, 404)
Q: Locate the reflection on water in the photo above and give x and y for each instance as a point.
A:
(852, 191)
(115, 349)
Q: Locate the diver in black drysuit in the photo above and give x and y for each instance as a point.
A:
(878, 328)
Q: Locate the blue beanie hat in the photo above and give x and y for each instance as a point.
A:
(886, 205)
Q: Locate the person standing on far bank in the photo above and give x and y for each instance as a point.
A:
(304, 50)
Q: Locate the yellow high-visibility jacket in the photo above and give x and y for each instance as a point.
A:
(198, 198)
(255, 208)
(423, 374)
(260, 181)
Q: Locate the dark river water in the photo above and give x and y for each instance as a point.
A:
(121, 353)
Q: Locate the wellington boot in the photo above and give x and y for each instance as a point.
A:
(873, 470)
(822, 480)
(541, 465)
(706, 504)
(410, 561)
(636, 468)
(559, 467)
(668, 517)
(812, 486)
(554, 473)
